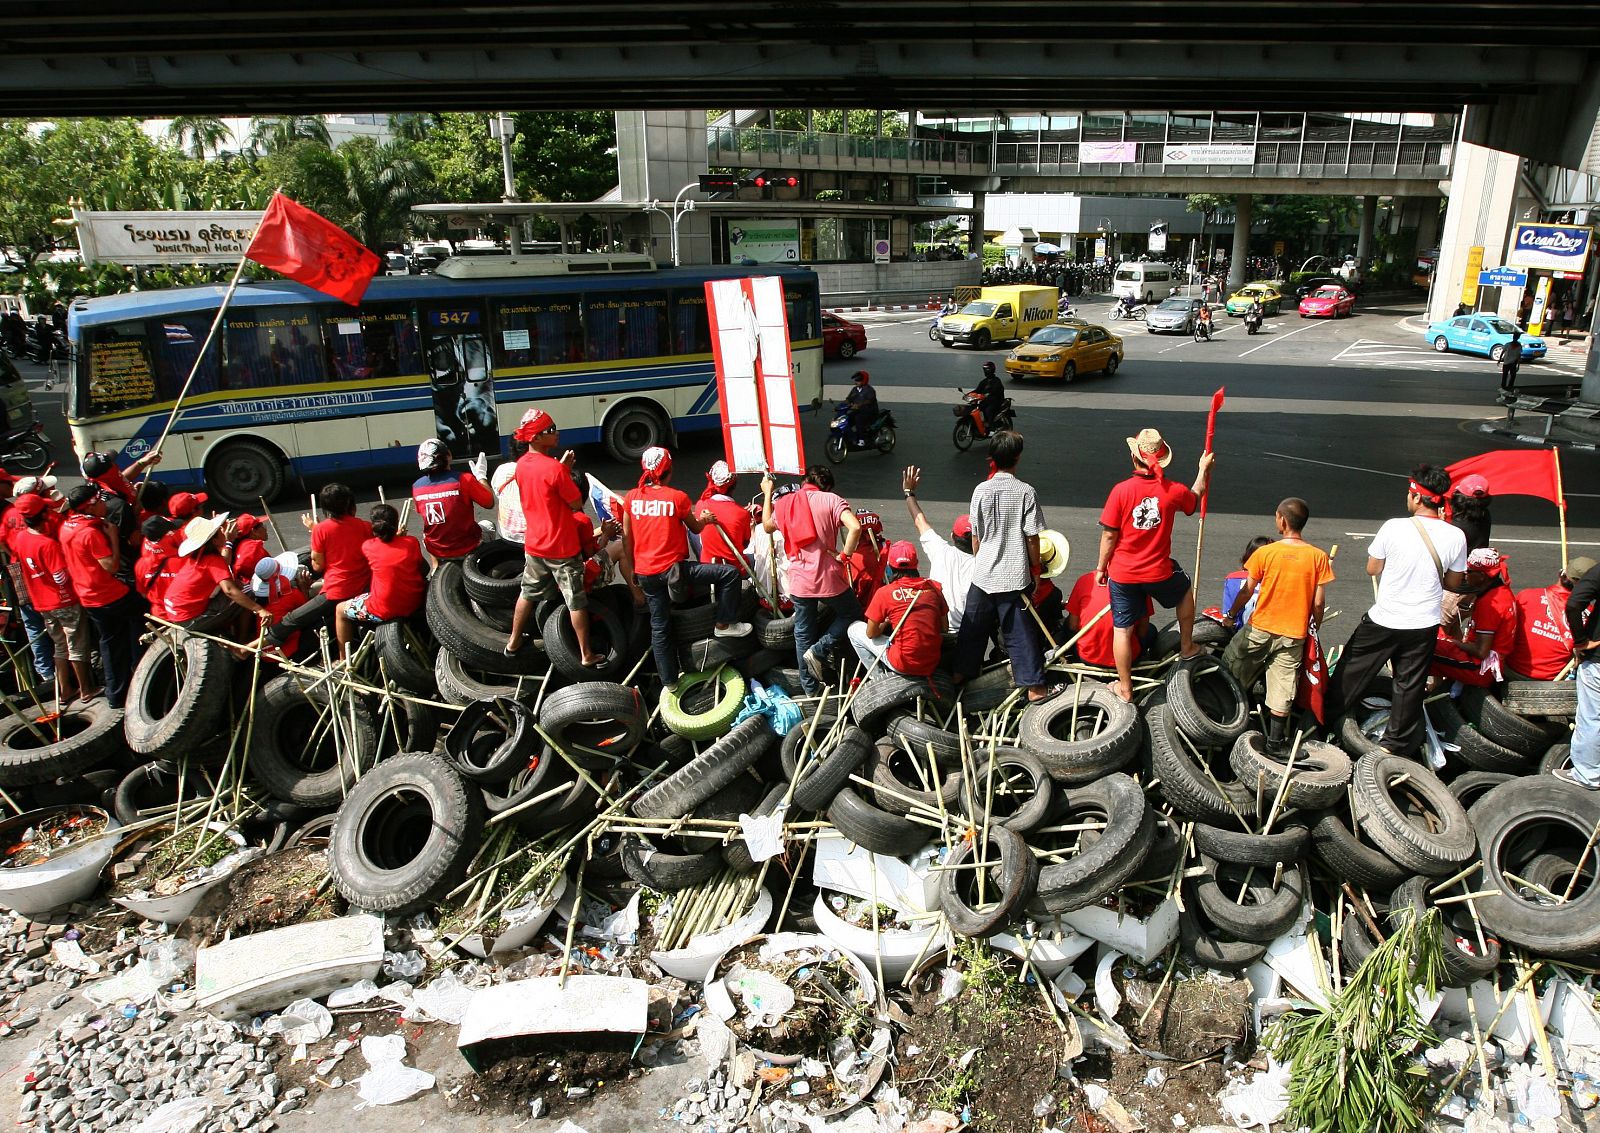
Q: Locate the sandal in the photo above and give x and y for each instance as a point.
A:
(1050, 693)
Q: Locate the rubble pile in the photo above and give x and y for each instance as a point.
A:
(892, 906)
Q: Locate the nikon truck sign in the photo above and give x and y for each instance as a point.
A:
(157, 237)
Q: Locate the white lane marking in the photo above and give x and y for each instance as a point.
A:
(1275, 338)
(1188, 339)
(1528, 542)
(1331, 464)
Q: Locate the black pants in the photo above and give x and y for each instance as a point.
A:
(1017, 628)
(118, 625)
(307, 615)
(662, 644)
(1410, 651)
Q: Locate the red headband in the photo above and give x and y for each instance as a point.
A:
(1425, 494)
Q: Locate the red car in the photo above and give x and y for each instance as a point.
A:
(841, 338)
(1327, 303)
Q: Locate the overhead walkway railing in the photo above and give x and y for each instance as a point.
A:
(755, 147)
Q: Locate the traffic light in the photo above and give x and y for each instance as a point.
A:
(762, 181)
(721, 182)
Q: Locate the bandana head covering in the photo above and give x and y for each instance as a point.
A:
(655, 464)
(1150, 451)
(534, 422)
(721, 477)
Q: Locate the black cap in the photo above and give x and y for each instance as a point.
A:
(158, 527)
(82, 494)
(96, 464)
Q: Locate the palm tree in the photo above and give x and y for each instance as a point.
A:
(269, 135)
(412, 127)
(202, 132)
(374, 187)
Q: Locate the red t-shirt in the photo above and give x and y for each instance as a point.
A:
(866, 572)
(247, 552)
(734, 519)
(1087, 600)
(449, 523)
(44, 569)
(1494, 612)
(915, 647)
(588, 545)
(655, 521)
(115, 481)
(84, 541)
(1141, 510)
(284, 596)
(397, 582)
(1543, 644)
(188, 594)
(547, 493)
(345, 572)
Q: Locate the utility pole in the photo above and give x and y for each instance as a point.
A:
(503, 128)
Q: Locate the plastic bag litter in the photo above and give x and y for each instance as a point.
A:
(763, 834)
(1259, 1102)
(137, 984)
(404, 965)
(390, 1080)
(362, 991)
(303, 1021)
(781, 712)
(70, 954)
(444, 1000)
(766, 998)
(184, 1115)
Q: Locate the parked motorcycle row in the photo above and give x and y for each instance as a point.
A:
(38, 341)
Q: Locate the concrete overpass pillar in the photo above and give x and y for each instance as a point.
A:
(1427, 223)
(1369, 217)
(1242, 205)
(1477, 224)
(975, 224)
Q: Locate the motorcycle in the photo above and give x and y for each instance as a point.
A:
(45, 342)
(1252, 322)
(1127, 309)
(1202, 331)
(969, 419)
(881, 435)
(25, 450)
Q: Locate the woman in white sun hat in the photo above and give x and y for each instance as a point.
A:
(202, 594)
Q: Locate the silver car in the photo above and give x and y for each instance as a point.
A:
(1174, 313)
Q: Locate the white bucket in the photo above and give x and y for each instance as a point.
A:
(67, 877)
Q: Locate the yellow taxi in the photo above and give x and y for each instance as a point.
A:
(1065, 350)
(1268, 296)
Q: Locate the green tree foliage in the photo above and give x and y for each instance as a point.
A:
(272, 134)
(1296, 219)
(859, 123)
(202, 134)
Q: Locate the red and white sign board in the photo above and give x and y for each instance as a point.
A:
(750, 339)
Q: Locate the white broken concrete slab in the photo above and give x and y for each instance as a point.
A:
(266, 970)
(1141, 939)
(541, 1006)
(845, 867)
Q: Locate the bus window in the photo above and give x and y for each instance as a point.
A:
(176, 341)
(118, 369)
(542, 330)
(629, 324)
(691, 331)
(382, 343)
(273, 346)
(801, 299)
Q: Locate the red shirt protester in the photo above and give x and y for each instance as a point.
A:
(865, 571)
(1543, 644)
(158, 564)
(449, 523)
(44, 570)
(1494, 612)
(916, 645)
(548, 494)
(588, 546)
(248, 550)
(188, 595)
(735, 520)
(1087, 600)
(655, 514)
(339, 541)
(1141, 509)
(85, 540)
(398, 584)
(283, 597)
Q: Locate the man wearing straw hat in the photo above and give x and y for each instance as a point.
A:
(204, 591)
(1136, 549)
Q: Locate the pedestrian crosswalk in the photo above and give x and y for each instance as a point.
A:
(1373, 353)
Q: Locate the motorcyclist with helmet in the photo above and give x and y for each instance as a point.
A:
(862, 401)
(1203, 319)
(992, 392)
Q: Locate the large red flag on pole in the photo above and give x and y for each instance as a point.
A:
(1211, 435)
(1515, 472)
(311, 249)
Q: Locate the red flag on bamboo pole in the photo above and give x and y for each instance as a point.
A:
(1211, 434)
(1515, 472)
(311, 249)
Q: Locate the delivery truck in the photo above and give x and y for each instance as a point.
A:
(1000, 314)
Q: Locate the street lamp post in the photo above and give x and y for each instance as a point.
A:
(679, 208)
(503, 128)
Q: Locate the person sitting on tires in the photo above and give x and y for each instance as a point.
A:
(336, 554)
(248, 548)
(906, 619)
(399, 579)
(866, 566)
(863, 403)
(720, 512)
(656, 520)
(204, 591)
(1084, 605)
(159, 562)
(1542, 648)
(445, 501)
(1478, 629)
(283, 585)
(992, 392)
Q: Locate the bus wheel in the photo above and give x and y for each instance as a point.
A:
(243, 473)
(631, 431)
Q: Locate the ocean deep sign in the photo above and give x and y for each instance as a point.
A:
(1551, 247)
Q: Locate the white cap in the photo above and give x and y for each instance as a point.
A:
(429, 452)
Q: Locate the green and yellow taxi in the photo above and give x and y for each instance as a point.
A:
(1065, 350)
(1270, 298)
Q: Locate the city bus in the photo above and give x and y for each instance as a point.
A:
(298, 386)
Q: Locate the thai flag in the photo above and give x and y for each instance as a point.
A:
(606, 503)
(178, 333)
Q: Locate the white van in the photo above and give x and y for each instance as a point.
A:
(1143, 280)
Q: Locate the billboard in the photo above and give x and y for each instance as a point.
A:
(756, 241)
(1552, 247)
(163, 237)
(1105, 153)
(1209, 153)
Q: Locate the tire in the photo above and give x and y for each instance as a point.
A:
(692, 623)
(1238, 847)
(413, 727)
(459, 684)
(1068, 372)
(1110, 856)
(1009, 884)
(1110, 742)
(1184, 784)
(898, 781)
(1498, 723)
(711, 722)
(712, 652)
(1462, 963)
(316, 831)
(606, 633)
(736, 854)
(1496, 352)
(828, 772)
(403, 838)
(1209, 947)
(1020, 796)
(963, 435)
(1335, 846)
(981, 340)
(296, 759)
(1558, 756)
(885, 695)
(1505, 817)
(29, 455)
(1476, 750)
(666, 871)
(873, 829)
(407, 650)
(1112, 363)
(885, 440)
(1208, 632)
(478, 645)
(835, 449)
(1469, 788)
(776, 633)
(632, 429)
(493, 740)
(1208, 703)
(90, 734)
(1316, 781)
(243, 473)
(919, 736)
(151, 787)
(1430, 853)
(847, 349)
(604, 717)
(543, 771)
(493, 615)
(738, 797)
(713, 770)
(165, 714)
(492, 573)
(1541, 698)
(1442, 344)
(1356, 742)
(1272, 914)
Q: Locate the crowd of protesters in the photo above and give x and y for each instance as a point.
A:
(92, 567)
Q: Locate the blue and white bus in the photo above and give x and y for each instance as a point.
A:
(297, 385)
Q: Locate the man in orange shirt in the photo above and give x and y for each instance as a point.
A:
(1292, 577)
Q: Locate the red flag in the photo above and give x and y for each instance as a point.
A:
(1211, 433)
(1313, 691)
(312, 250)
(1514, 472)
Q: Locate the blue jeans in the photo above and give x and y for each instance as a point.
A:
(44, 658)
(662, 645)
(1017, 628)
(846, 609)
(119, 626)
(1586, 737)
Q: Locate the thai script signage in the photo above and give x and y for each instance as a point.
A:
(157, 237)
(1553, 247)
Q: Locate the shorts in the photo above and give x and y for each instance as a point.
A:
(68, 628)
(1127, 598)
(1253, 650)
(550, 578)
(356, 610)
